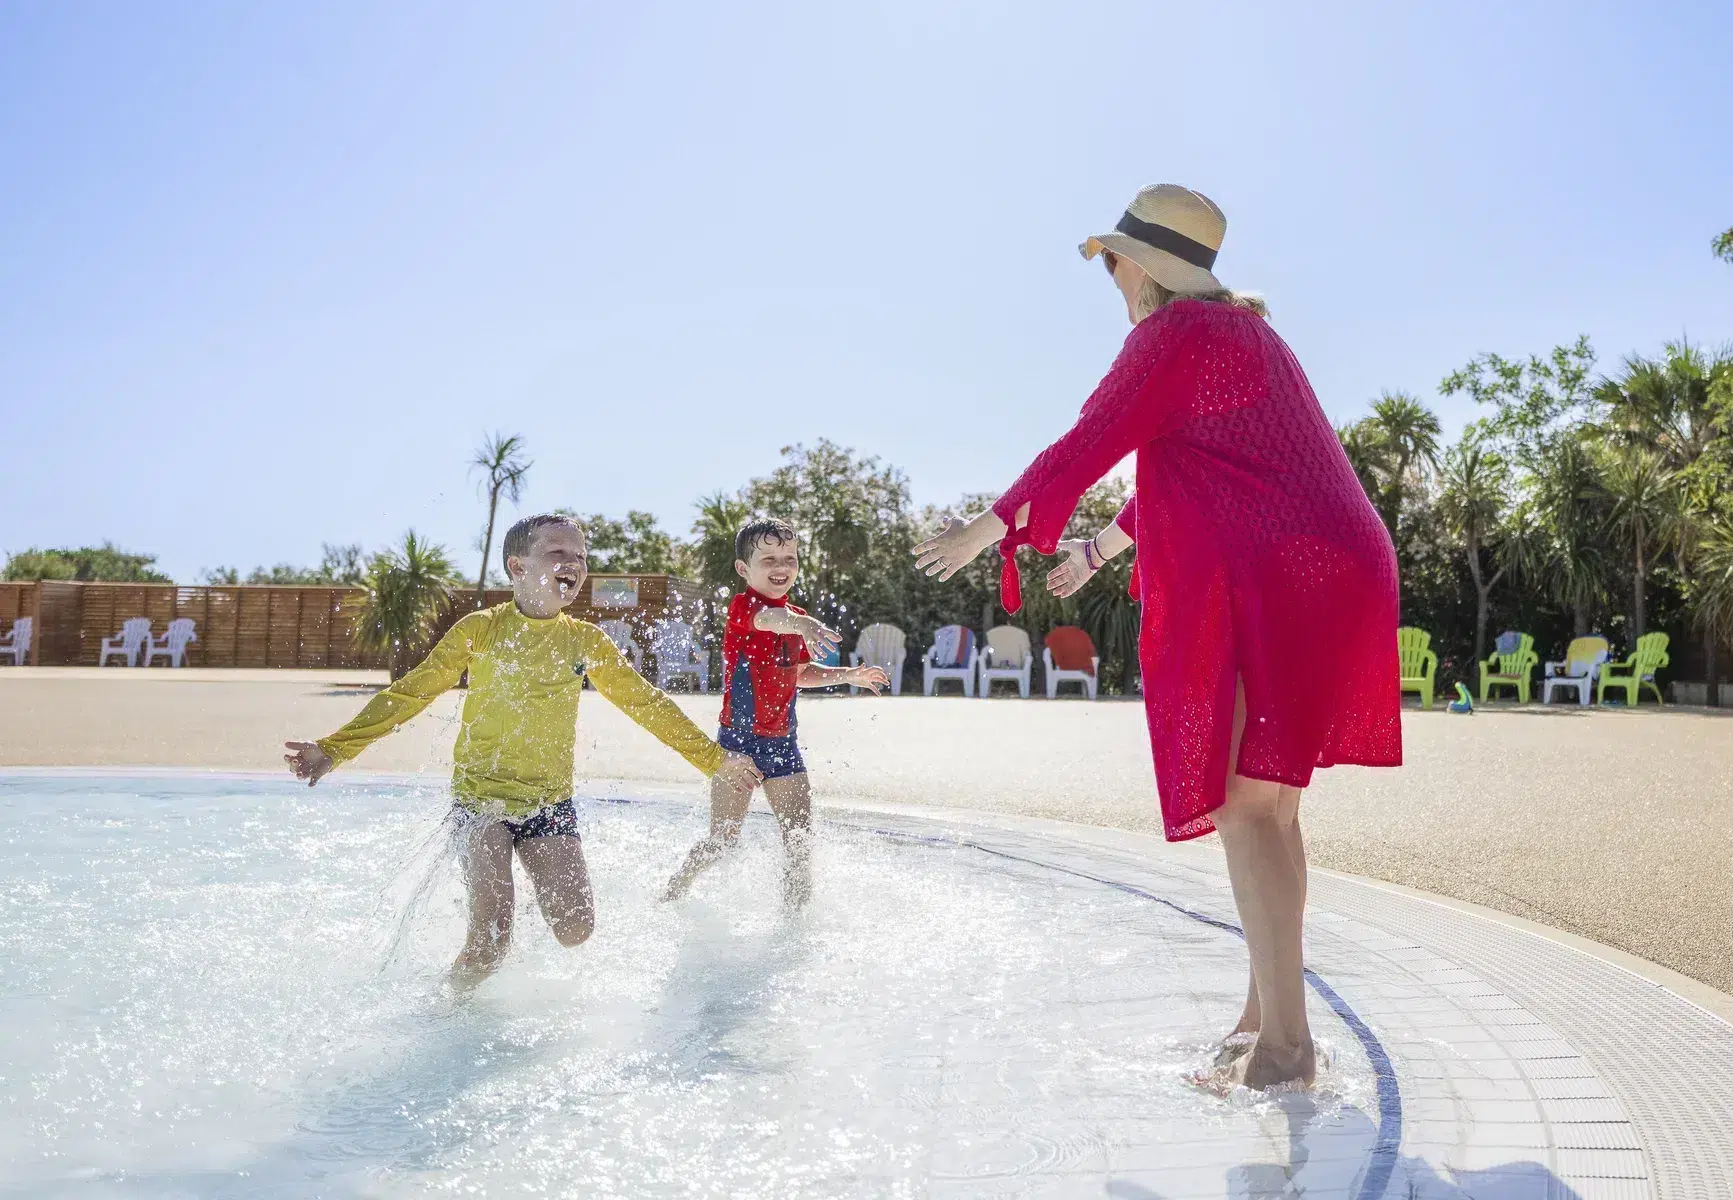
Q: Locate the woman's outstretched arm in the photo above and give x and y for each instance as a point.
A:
(1080, 560)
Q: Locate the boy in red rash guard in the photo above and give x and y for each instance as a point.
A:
(767, 652)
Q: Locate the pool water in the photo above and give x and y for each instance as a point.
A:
(223, 986)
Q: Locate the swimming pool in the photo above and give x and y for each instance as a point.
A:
(231, 986)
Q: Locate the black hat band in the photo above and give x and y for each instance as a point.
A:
(1170, 240)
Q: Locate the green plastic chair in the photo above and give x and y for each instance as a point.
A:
(1636, 672)
(1509, 670)
(1419, 662)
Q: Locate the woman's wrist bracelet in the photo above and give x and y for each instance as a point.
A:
(1092, 555)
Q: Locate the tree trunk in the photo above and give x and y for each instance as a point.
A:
(1481, 605)
(1637, 596)
(1579, 620)
(486, 549)
(1712, 669)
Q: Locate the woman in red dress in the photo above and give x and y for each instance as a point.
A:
(1267, 582)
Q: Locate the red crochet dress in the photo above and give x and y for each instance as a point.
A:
(1258, 557)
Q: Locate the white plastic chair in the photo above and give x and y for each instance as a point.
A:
(954, 646)
(134, 633)
(1008, 656)
(675, 645)
(881, 646)
(620, 633)
(17, 643)
(1583, 659)
(173, 645)
(1056, 676)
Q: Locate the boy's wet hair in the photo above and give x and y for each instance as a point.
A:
(517, 538)
(765, 529)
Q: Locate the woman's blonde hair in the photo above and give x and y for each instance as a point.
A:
(1152, 295)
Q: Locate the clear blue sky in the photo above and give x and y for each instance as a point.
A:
(268, 271)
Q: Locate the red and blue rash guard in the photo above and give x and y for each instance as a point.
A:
(761, 668)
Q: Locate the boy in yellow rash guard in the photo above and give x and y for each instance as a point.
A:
(527, 662)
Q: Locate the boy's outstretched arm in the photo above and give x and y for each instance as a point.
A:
(820, 638)
(812, 675)
(656, 712)
(438, 672)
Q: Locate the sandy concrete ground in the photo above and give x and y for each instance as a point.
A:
(1617, 826)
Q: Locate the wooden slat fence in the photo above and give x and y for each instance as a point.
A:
(252, 625)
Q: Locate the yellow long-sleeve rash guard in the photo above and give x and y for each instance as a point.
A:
(520, 719)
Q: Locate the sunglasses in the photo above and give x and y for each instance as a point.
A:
(1111, 261)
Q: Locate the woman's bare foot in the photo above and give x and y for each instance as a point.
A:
(1234, 1047)
(1267, 1066)
(1256, 1066)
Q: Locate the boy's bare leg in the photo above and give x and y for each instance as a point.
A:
(562, 881)
(486, 862)
(728, 805)
(791, 800)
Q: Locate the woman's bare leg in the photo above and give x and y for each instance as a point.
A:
(1248, 1023)
(1269, 890)
(562, 882)
(728, 807)
(486, 860)
(791, 800)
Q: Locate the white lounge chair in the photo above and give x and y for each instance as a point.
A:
(173, 645)
(134, 633)
(620, 633)
(1008, 656)
(881, 646)
(675, 645)
(953, 655)
(1080, 644)
(17, 643)
(1583, 659)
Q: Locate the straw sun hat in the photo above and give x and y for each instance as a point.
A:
(1173, 233)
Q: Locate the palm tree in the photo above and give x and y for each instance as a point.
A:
(408, 590)
(1409, 433)
(1368, 453)
(502, 465)
(1677, 410)
(1563, 520)
(1643, 501)
(1473, 502)
(1713, 588)
(720, 517)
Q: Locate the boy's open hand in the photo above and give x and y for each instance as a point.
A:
(739, 772)
(871, 678)
(821, 639)
(308, 762)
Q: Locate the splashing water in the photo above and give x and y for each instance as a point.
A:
(233, 987)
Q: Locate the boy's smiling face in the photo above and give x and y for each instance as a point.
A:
(772, 567)
(551, 571)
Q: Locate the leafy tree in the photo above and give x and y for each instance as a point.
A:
(87, 564)
(1474, 502)
(408, 590)
(1723, 246)
(1535, 403)
(637, 545)
(501, 463)
(341, 566)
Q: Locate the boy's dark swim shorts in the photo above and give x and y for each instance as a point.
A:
(554, 820)
(777, 757)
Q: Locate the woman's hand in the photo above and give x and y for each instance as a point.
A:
(958, 544)
(1074, 571)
